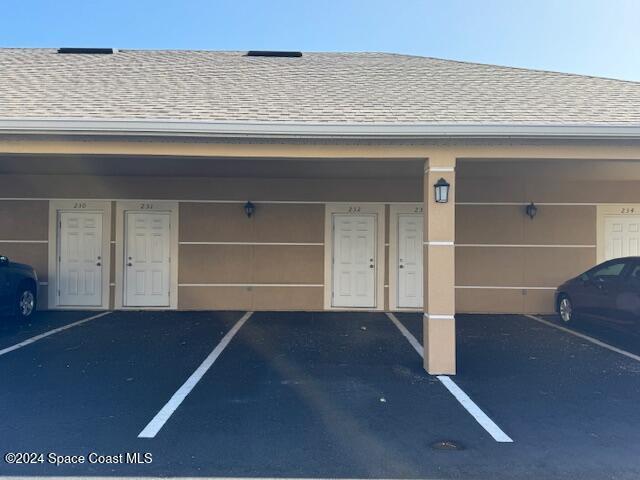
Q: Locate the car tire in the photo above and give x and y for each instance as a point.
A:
(25, 302)
(565, 309)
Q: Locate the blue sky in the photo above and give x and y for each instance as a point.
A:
(594, 37)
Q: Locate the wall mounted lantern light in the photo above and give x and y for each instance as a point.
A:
(249, 208)
(531, 210)
(441, 189)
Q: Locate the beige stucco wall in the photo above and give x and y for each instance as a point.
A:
(281, 244)
(34, 254)
(23, 233)
(487, 251)
(251, 298)
(505, 262)
(519, 261)
(226, 222)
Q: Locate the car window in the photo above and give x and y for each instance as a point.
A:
(610, 270)
(635, 273)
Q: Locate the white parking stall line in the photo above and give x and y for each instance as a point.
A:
(407, 334)
(154, 426)
(475, 411)
(31, 340)
(469, 405)
(595, 341)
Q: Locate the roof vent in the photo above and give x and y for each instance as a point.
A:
(92, 51)
(267, 53)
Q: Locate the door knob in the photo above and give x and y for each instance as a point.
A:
(98, 264)
(129, 264)
(401, 266)
(370, 266)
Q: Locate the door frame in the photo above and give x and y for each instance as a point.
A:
(603, 211)
(394, 245)
(147, 206)
(355, 209)
(78, 205)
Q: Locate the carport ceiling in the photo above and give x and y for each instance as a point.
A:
(108, 165)
(212, 167)
(550, 168)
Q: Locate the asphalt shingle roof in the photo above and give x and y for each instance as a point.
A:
(315, 88)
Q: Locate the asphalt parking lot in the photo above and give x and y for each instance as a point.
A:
(313, 395)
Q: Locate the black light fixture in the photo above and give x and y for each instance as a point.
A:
(531, 210)
(441, 189)
(249, 208)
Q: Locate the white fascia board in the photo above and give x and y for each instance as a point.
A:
(141, 127)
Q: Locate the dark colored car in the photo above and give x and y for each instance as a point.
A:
(18, 288)
(609, 291)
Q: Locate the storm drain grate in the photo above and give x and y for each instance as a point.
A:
(447, 445)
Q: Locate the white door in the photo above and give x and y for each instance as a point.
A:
(147, 259)
(80, 259)
(410, 261)
(622, 236)
(354, 260)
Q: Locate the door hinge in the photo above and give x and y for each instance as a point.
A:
(58, 292)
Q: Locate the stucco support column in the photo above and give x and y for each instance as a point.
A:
(439, 269)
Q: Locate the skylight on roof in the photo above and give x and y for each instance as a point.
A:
(86, 51)
(268, 53)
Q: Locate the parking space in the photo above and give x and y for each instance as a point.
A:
(620, 335)
(570, 405)
(91, 388)
(319, 395)
(13, 331)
